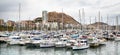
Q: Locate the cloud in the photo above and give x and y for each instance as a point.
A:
(31, 9)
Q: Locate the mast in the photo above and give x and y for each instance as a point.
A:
(90, 23)
(90, 19)
(113, 24)
(95, 21)
(19, 15)
(99, 20)
(80, 20)
(7, 25)
(62, 21)
(83, 16)
(116, 23)
(107, 22)
(29, 25)
(102, 25)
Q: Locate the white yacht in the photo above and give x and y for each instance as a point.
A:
(117, 38)
(93, 41)
(46, 43)
(14, 40)
(61, 43)
(80, 44)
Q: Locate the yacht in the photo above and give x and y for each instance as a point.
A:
(14, 40)
(61, 43)
(93, 41)
(80, 44)
(46, 43)
(117, 38)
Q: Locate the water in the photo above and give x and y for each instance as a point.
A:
(112, 48)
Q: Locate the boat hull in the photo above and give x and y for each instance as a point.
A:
(80, 47)
(117, 39)
(46, 45)
(94, 44)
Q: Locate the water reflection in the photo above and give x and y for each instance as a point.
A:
(116, 48)
(80, 52)
(112, 48)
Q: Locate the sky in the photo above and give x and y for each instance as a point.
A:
(30, 9)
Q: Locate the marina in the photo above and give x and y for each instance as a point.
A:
(81, 27)
(111, 48)
(62, 39)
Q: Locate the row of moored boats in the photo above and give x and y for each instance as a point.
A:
(73, 39)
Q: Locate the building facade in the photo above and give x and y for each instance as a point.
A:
(10, 23)
(1, 22)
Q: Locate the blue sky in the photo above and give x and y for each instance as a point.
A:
(31, 9)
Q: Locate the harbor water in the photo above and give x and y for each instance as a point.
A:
(111, 48)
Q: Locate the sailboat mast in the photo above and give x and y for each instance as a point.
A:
(116, 23)
(107, 22)
(102, 24)
(80, 20)
(7, 25)
(90, 23)
(95, 19)
(99, 20)
(83, 16)
(19, 14)
(62, 21)
(29, 27)
(90, 19)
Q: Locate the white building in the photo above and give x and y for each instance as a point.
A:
(45, 16)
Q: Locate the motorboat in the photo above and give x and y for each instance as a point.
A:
(80, 44)
(46, 43)
(13, 40)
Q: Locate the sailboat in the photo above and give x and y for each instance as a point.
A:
(106, 34)
(117, 38)
(96, 38)
(16, 38)
(80, 43)
(3, 37)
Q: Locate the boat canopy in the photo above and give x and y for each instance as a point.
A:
(74, 35)
(14, 37)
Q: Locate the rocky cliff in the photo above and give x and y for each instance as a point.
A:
(57, 17)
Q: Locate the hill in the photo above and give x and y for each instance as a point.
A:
(57, 17)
